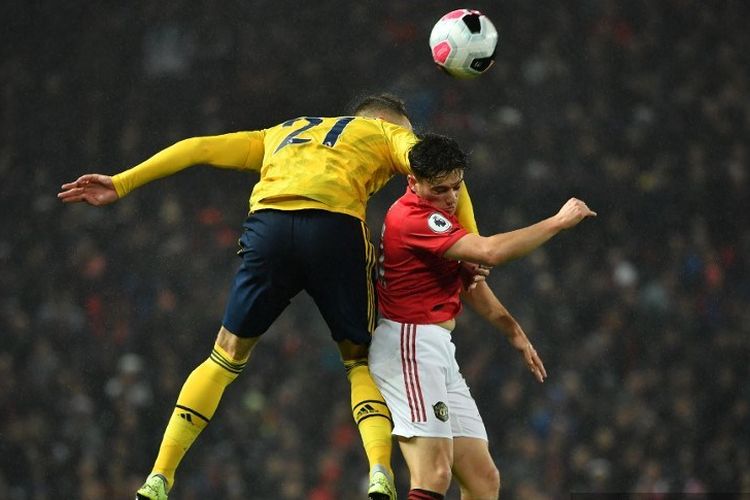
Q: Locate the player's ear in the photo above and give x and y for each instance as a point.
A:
(411, 180)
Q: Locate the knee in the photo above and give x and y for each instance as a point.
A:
(494, 480)
(238, 348)
(491, 480)
(441, 476)
(484, 483)
(351, 351)
(437, 478)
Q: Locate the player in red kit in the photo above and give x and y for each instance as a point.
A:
(420, 292)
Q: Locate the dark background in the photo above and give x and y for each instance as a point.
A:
(641, 315)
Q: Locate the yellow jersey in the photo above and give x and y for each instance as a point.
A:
(333, 163)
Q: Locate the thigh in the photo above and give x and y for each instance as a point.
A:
(339, 261)
(408, 365)
(268, 277)
(465, 418)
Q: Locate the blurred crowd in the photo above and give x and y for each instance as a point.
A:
(641, 315)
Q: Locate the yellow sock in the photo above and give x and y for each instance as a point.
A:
(370, 414)
(196, 404)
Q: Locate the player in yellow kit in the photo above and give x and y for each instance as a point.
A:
(305, 231)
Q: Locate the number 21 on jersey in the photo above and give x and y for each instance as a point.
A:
(296, 136)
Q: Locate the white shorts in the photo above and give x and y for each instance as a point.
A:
(415, 368)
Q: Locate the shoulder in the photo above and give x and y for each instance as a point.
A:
(398, 133)
(419, 218)
(383, 127)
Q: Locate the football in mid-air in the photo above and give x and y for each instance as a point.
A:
(463, 43)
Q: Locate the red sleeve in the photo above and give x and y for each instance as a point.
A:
(431, 232)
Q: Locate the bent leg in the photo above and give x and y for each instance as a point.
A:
(475, 470)
(429, 460)
(199, 398)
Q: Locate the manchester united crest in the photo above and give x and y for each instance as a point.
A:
(441, 411)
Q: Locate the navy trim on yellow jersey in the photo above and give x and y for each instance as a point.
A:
(371, 262)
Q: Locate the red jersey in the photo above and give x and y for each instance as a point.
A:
(415, 283)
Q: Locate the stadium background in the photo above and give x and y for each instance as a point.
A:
(641, 108)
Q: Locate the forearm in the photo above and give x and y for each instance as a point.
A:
(508, 246)
(503, 247)
(485, 303)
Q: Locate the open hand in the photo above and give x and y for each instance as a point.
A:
(94, 189)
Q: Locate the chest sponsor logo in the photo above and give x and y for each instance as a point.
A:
(438, 223)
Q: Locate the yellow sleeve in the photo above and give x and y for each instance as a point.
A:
(400, 141)
(465, 211)
(238, 150)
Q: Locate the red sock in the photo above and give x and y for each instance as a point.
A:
(420, 494)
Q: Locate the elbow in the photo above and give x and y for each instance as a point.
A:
(197, 149)
(192, 142)
(197, 144)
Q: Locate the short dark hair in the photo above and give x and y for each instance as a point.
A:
(380, 102)
(436, 156)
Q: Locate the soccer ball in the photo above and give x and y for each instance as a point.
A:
(463, 43)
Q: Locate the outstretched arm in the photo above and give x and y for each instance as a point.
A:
(503, 247)
(485, 303)
(239, 150)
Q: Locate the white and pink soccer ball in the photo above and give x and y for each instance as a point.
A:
(463, 43)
